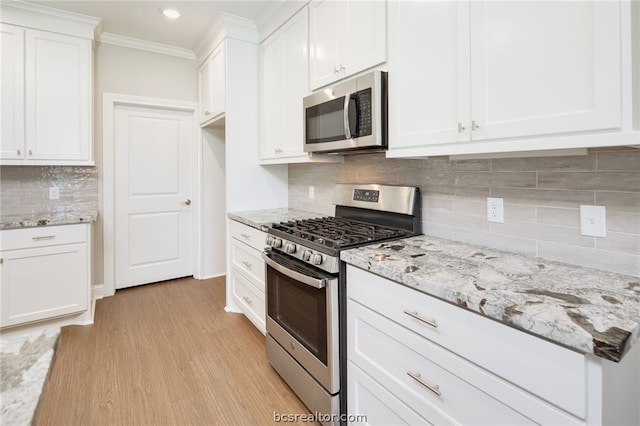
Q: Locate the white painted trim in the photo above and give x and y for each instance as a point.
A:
(47, 18)
(98, 292)
(148, 46)
(226, 26)
(109, 103)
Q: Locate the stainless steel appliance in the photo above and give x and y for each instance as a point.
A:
(306, 287)
(349, 117)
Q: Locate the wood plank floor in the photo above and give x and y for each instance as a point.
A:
(164, 354)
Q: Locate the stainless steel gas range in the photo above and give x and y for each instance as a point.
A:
(306, 288)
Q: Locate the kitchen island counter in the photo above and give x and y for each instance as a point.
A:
(261, 219)
(48, 219)
(587, 310)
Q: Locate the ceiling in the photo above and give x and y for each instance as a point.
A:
(143, 20)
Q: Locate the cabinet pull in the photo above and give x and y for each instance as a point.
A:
(1, 261)
(44, 237)
(461, 128)
(247, 299)
(427, 321)
(247, 236)
(433, 388)
(474, 125)
(19, 152)
(247, 264)
(30, 153)
(336, 70)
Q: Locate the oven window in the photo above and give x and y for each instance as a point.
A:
(300, 309)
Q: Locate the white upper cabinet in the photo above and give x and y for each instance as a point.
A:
(481, 77)
(46, 98)
(346, 37)
(212, 84)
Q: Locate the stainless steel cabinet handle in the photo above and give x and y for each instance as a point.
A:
(336, 70)
(433, 388)
(247, 264)
(187, 202)
(44, 237)
(342, 68)
(461, 128)
(207, 112)
(1, 261)
(18, 152)
(30, 153)
(427, 321)
(247, 236)
(474, 125)
(247, 299)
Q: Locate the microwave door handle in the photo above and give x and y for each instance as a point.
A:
(305, 279)
(347, 127)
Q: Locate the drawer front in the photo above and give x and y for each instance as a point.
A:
(547, 370)
(248, 235)
(372, 404)
(440, 386)
(12, 239)
(248, 261)
(249, 299)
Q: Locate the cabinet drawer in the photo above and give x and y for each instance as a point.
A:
(43, 236)
(248, 261)
(248, 235)
(547, 370)
(461, 393)
(249, 299)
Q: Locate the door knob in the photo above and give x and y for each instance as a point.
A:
(186, 203)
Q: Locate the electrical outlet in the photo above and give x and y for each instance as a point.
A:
(312, 192)
(495, 210)
(54, 193)
(593, 221)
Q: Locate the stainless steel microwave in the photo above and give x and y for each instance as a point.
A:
(349, 117)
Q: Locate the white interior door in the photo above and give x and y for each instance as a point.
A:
(153, 210)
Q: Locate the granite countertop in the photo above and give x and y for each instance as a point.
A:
(48, 219)
(261, 219)
(588, 310)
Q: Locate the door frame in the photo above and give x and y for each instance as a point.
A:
(109, 103)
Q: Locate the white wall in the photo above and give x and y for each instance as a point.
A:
(134, 72)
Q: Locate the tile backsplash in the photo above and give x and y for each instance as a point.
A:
(24, 190)
(542, 198)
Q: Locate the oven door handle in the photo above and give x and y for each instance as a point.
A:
(313, 282)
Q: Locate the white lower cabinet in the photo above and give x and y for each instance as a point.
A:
(45, 273)
(415, 359)
(247, 272)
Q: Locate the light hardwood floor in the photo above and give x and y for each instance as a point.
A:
(164, 354)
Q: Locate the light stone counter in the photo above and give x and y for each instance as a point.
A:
(588, 310)
(45, 219)
(261, 219)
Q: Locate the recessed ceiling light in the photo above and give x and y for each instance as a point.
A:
(171, 13)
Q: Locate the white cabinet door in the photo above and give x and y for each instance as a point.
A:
(346, 37)
(12, 95)
(544, 67)
(43, 282)
(284, 82)
(465, 73)
(213, 85)
(428, 73)
(58, 97)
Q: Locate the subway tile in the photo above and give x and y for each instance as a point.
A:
(438, 179)
(444, 164)
(543, 232)
(498, 179)
(518, 212)
(535, 164)
(623, 222)
(558, 216)
(436, 230)
(456, 191)
(456, 220)
(593, 181)
(619, 201)
(619, 161)
(470, 207)
(620, 242)
(590, 257)
(541, 197)
(435, 203)
(496, 241)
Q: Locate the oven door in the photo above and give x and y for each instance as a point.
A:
(302, 315)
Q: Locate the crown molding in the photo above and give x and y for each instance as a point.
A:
(47, 18)
(134, 43)
(277, 15)
(226, 26)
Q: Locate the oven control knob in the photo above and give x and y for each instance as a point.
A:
(276, 243)
(290, 248)
(316, 259)
(306, 255)
(268, 239)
